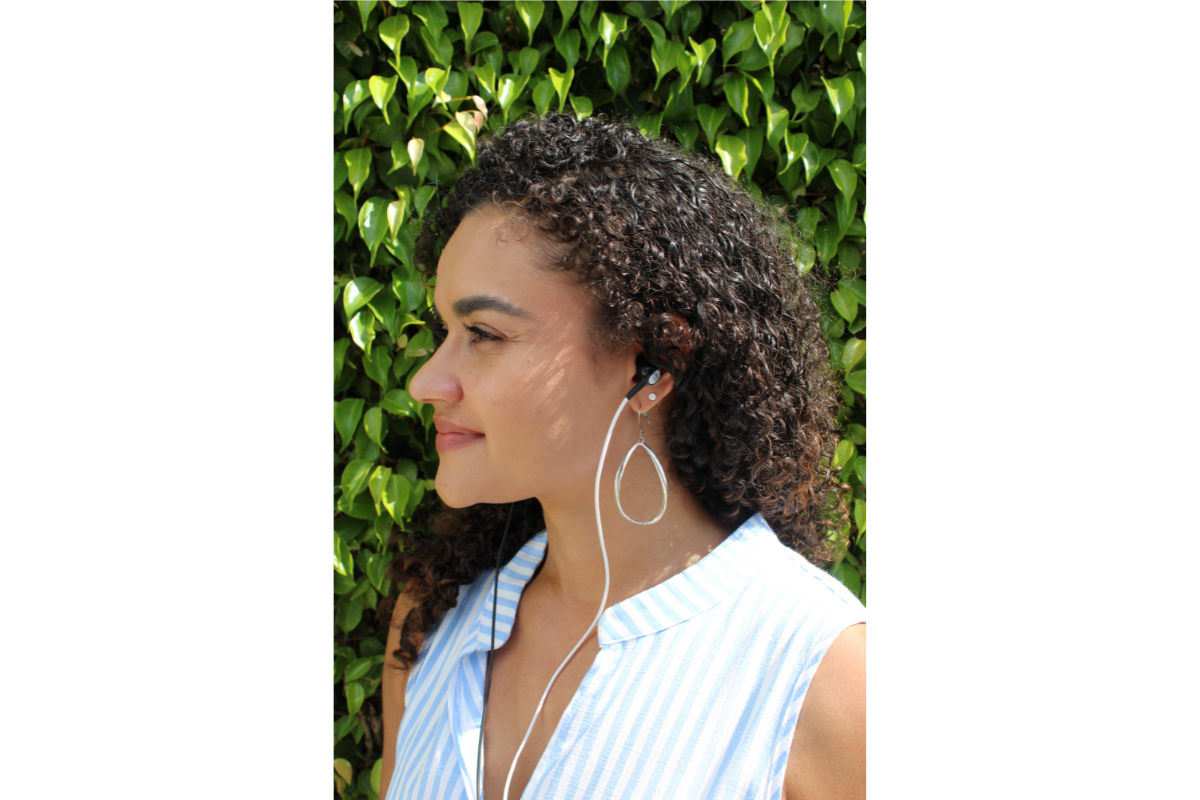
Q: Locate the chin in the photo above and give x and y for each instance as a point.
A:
(448, 495)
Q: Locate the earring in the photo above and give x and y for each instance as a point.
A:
(641, 442)
(652, 397)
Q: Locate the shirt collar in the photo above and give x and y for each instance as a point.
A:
(725, 571)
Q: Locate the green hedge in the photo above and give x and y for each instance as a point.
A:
(776, 92)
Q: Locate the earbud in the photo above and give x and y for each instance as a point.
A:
(647, 373)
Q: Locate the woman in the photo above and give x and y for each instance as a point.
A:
(724, 664)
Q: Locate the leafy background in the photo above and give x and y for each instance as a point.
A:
(774, 91)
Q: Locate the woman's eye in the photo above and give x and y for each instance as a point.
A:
(477, 334)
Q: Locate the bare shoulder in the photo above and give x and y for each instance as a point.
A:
(828, 757)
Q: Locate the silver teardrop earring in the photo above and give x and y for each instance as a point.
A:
(641, 442)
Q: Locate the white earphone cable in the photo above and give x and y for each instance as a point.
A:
(603, 601)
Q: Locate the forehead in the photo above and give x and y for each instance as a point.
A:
(491, 253)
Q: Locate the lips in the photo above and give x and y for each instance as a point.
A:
(451, 436)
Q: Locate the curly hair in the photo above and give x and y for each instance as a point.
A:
(649, 231)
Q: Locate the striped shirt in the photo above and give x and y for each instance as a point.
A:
(694, 693)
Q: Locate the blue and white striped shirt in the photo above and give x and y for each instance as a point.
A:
(695, 691)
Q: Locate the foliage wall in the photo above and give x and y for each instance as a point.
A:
(775, 91)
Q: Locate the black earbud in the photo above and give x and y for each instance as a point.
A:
(647, 375)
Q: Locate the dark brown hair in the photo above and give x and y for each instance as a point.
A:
(648, 229)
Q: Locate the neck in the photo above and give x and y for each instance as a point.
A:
(639, 556)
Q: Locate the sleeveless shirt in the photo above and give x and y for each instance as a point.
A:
(694, 693)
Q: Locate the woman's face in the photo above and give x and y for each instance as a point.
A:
(527, 378)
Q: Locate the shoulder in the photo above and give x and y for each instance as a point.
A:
(827, 757)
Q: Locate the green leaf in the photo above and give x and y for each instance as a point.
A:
(753, 137)
(377, 365)
(354, 478)
(862, 55)
(858, 381)
(738, 96)
(416, 151)
(542, 96)
(806, 256)
(860, 469)
(358, 668)
(397, 212)
(343, 559)
(777, 121)
(393, 30)
(845, 451)
(398, 402)
(732, 151)
(841, 97)
(618, 71)
(356, 693)
(531, 14)
(702, 51)
(346, 415)
(856, 433)
(339, 357)
(345, 205)
(844, 304)
(849, 258)
(815, 158)
(687, 133)
(395, 495)
(858, 286)
(341, 766)
(376, 776)
(358, 162)
(665, 56)
(567, 45)
(806, 221)
(710, 120)
(433, 15)
(528, 61)
(408, 74)
(339, 171)
(424, 195)
(562, 83)
(826, 240)
(739, 37)
(845, 177)
(796, 143)
(511, 87)
(650, 125)
(611, 26)
(837, 14)
(354, 94)
(372, 224)
(485, 78)
(379, 478)
(805, 100)
(483, 41)
(462, 130)
(362, 329)
(582, 106)
(377, 568)
(438, 46)
(358, 293)
(853, 353)
(469, 17)
(382, 90)
(375, 424)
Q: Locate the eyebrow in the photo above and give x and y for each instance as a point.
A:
(483, 302)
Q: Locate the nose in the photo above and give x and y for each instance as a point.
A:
(436, 381)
